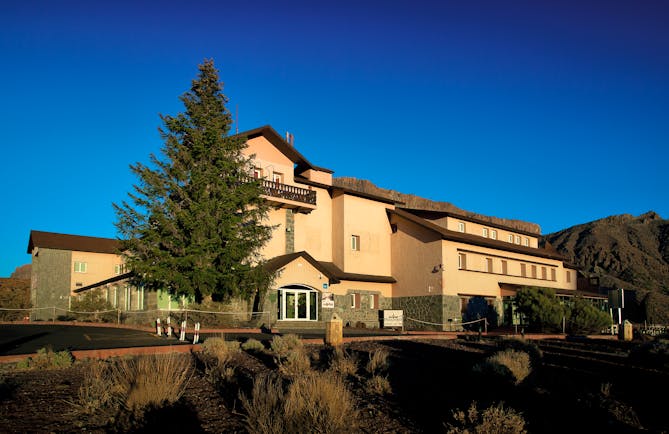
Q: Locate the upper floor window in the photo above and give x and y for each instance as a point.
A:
(553, 275)
(462, 261)
(534, 271)
(568, 276)
(505, 267)
(119, 269)
(526, 242)
(543, 273)
(493, 234)
(461, 227)
(523, 270)
(488, 265)
(277, 177)
(485, 232)
(257, 172)
(510, 238)
(355, 242)
(80, 267)
(517, 239)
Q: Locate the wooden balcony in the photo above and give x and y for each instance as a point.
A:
(289, 196)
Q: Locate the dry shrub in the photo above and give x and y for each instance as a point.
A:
(524, 345)
(494, 419)
(156, 381)
(220, 350)
(508, 364)
(98, 390)
(264, 410)
(284, 345)
(295, 364)
(46, 358)
(378, 385)
(343, 364)
(378, 361)
(253, 345)
(317, 402)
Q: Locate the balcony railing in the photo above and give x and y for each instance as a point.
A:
(289, 192)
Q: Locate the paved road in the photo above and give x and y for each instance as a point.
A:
(28, 338)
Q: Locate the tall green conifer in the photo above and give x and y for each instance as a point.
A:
(197, 222)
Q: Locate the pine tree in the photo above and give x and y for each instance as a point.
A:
(197, 222)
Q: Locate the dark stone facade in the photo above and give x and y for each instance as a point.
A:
(51, 280)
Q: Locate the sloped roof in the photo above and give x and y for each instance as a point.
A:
(474, 239)
(283, 146)
(77, 243)
(330, 270)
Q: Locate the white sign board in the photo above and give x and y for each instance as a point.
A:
(327, 300)
(393, 318)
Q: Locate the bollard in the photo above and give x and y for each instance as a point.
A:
(196, 336)
(158, 329)
(169, 327)
(334, 333)
(183, 331)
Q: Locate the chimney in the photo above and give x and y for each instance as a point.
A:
(290, 138)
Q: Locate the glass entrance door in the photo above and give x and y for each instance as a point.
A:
(298, 304)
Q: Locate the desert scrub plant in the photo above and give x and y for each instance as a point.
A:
(253, 345)
(378, 361)
(495, 419)
(524, 345)
(46, 358)
(509, 365)
(284, 345)
(342, 363)
(98, 390)
(220, 350)
(317, 402)
(378, 385)
(156, 381)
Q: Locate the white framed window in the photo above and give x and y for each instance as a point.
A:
(119, 269)
(526, 242)
(355, 242)
(80, 267)
(257, 172)
(277, 177)
(462, 261)
(461, 227)
(510, 238)
(485, 232)
(374, 301)
(517, 239)
(355, 301)
(493, 234)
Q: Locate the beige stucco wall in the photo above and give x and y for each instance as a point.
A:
(451, 223)
(313, 231)
(99, 266)
(318, 176)
(276, 245)
(476, 280)
(300, 272)
(368, 219)
(270, 159)
(415, 253)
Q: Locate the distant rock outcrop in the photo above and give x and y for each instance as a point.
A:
(22, 272)
(622, 250)
(419, 203)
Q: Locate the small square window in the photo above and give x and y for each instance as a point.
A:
(526, 242)
(277, 177)
(485, 232)
(80, 267)
(355, 242)
(510, 238)
(517, 239)
(493, 234)
(461, 227)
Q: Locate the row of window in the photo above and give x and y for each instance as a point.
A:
(535, 272)
(82, 267)
(492, 234)
(259, 174)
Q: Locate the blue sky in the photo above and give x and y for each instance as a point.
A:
(553, 112)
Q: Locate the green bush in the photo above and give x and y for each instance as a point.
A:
(541, 308)
(91, 301)
(46, 358)
(584, 318)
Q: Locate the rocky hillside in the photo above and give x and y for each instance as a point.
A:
(624, 251)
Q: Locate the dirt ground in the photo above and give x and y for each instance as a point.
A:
(585, 387)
